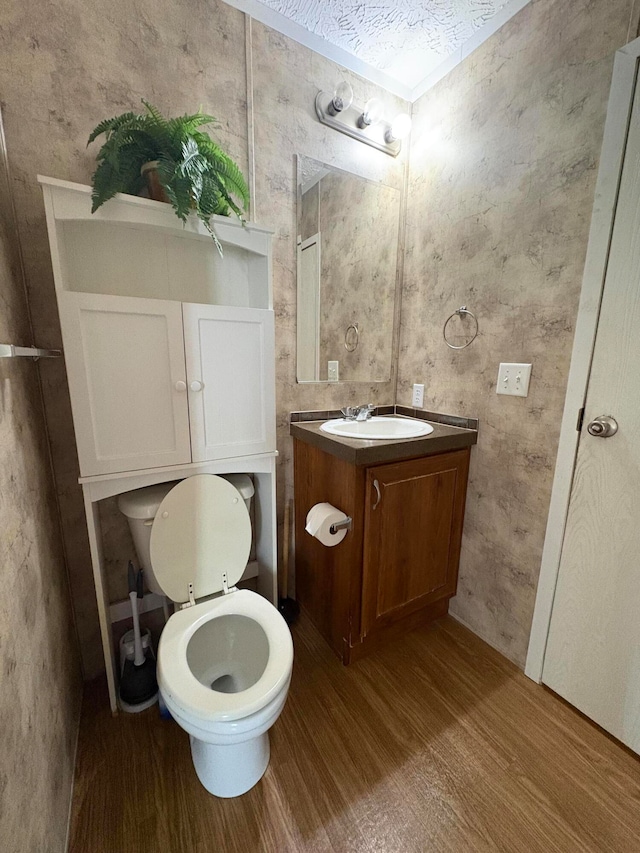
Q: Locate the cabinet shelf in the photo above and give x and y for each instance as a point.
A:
(138, 247)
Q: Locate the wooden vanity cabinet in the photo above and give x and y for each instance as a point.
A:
(413, 527)
(398, 566)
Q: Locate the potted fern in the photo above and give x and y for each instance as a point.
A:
(178, 162)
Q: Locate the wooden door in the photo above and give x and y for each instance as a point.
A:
(125, 363)
(413, 527)
(230, 357)
(592, 657)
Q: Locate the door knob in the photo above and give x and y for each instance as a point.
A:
(180, 385)
(196, 385)
(603, 427)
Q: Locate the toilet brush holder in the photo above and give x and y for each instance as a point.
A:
(127, 648)
(138, 682)
(127, 657)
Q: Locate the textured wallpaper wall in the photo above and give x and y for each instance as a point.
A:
(39, 667)
(503, 166)
(66, 66)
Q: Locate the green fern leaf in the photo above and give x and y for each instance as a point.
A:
(154, 113)
(196, 173)
(110, 124)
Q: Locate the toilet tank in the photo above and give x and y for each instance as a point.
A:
(141, 505)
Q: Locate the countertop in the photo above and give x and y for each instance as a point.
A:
(367, 452)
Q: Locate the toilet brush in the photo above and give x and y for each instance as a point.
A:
(138, 685)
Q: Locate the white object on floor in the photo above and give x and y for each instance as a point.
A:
(224, 668)
(224, 663)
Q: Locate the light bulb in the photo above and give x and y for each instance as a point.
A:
(400, 128)
(373, 111)
(342, 98)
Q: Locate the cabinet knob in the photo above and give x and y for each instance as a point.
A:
(196, 385)
(180, 385)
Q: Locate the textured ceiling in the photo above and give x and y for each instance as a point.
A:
(406, 39)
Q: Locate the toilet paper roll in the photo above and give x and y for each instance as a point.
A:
(319, 520)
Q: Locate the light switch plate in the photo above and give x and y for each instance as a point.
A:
(333, 371)
(514, 379)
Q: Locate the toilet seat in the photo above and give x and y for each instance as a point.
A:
(201, 702)
(200, 538)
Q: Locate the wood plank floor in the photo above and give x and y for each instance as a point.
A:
(436, 743)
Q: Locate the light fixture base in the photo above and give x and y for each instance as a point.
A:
(347, 121)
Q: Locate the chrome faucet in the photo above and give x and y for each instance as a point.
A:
(358, 413)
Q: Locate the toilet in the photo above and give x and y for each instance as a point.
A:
(225, 656)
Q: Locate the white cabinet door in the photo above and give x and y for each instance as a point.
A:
(230, 355)
(125, 362)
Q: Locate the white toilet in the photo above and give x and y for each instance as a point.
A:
(225, 657)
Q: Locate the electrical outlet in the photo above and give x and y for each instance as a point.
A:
(514, 379)
(333, 371)
(417, 398)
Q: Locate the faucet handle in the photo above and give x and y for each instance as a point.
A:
(363, 413)
(349, 412)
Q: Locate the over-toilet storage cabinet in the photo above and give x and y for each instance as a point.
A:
(155, 382)
(170, 356)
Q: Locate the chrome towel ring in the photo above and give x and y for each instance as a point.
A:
(351, 341)
(462, 310)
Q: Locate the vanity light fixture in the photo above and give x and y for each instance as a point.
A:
(337, 110)
(342, 98)
(373, 113)
(399, 128)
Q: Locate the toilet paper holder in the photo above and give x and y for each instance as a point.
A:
(345, 524)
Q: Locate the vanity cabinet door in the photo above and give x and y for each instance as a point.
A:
(125, 363)
(230, 357)
(413, 527)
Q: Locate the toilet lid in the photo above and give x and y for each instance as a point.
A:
(202, 529)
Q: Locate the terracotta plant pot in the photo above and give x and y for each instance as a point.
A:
(149, 171)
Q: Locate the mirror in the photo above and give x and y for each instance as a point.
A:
(347, 271)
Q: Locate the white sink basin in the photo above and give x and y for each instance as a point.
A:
(377, 428)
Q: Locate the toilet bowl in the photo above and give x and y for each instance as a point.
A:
(225, 656)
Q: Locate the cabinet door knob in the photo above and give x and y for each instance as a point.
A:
(196, 385)
(379, 498)
(180, 385)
